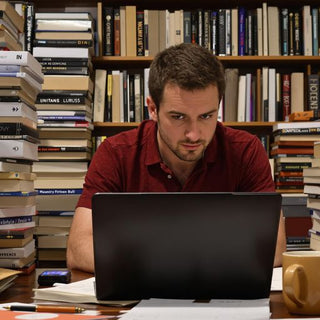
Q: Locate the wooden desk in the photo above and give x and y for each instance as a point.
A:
(22, 292)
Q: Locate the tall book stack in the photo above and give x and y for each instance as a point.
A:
(64, 45)
(293, 151)
(11, 27)
(297, 221)
(311, 177)
(20, 82)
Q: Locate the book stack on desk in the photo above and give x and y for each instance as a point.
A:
(20, 82)
(293, 151)
(297, 221)
(311, 178)
(11, 27)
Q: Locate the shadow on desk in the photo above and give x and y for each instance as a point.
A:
(22, 292)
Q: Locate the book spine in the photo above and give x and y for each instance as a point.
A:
(297, 34)
(63, 43)
(58, 191)
(286, 107)
(315, 31)
(313, 92)
(15, 220)
(19, 137)
(116, 28)
(194, 27)
(242, 33)
(222, 31)
(16, 128)
(65, 70)
(63, 118)
(62, 149)
(140, 33)
(131, 97)
(284, 31)
(214, 33)
(206, 29)
(294, 131)
(29, 27)
(61, 100)
(108, 30)
(291, 33)
(187, 27)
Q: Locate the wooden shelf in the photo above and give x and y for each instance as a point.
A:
(253, 61)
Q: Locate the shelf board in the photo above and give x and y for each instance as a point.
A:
(140, 62)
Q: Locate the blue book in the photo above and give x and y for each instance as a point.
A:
(315, 35)
(58, 191)
(242, 31)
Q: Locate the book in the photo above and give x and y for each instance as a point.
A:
(297, 92)
(51, 35)
(19, 149)
(313, 92)
(64, 15)
(57, 202)
(286, 107)
(76, 292)
(16, 262)
(53, 241)
(17, 95)
(53, 180)
(8, 41)
(15, 242)
(313, 202)
(54, 166)
(17, 252)
(61, 52)
(7, 277)
(314, 241)
(64, 25)
(66, 143)
(67, 82)
(297, 131)
(68, 133)
(17, 222)
(17, 211)
(17, 128)
(231, 94)
(19, 83)
(12, 185)
(311, 172)
(99, 95)
(22, 58)
(305, 115)
(311, 189)
(14, 165)
(18, 109)
(131, 37)
(13, 15)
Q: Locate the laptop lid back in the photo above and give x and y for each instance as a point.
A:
(184, 245)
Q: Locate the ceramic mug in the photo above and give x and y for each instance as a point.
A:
(301, 281)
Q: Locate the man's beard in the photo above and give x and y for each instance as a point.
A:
(187, 155)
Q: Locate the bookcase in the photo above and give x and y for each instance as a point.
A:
(305, 64)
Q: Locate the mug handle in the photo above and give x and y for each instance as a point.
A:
(296, 294)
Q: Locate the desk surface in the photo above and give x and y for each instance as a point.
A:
(22, 292)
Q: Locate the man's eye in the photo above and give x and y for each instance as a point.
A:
(206, 116)
(178, 117)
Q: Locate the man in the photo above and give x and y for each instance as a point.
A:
(183, 147)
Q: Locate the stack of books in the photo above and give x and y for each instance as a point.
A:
(63, 45)
(311, 178)
(292, 151)
(11, 27)
(20, 82)
(297, 221)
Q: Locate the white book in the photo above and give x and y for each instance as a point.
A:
(21, 58)
(19, 225)
(307, 30)
(18, 211)
(63, 15)
(11, 165)
(260, 33)
(273, 31)
(137, 99)
(116, 95)
(146, 87)
(248, 112)
(121, 97)
(265, 28)
(265, 85)
(17, 109)
(171, 29)
(297, 92)
(293, 125)
(228, 31)
(234, 32)
(271, 94)
(22, 252)
(61, 52)
(63, 25)
(99, 95)
(241, 99)
(10, 68)
(18, 149)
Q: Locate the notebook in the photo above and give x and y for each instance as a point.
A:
(184, 245)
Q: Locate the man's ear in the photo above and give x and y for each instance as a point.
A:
(152, 109)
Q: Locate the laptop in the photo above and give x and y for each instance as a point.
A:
(184, 245)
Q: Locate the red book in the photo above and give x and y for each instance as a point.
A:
(286, 107)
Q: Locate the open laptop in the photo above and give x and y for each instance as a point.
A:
(184, 245)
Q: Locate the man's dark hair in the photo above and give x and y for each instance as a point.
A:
(189, 66)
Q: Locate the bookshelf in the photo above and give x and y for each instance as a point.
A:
(305, 64)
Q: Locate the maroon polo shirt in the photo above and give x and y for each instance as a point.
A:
(130, 162)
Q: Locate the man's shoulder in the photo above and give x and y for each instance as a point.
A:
(232, 135)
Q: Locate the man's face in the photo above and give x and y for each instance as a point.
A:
(186, 122)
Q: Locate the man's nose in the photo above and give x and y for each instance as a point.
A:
(193, 131)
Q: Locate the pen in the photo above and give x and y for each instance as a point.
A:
(45, 308)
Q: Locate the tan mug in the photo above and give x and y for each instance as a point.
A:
(301, 281)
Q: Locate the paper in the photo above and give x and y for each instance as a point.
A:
(276, 283)
(76, 292)
(168, 309)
